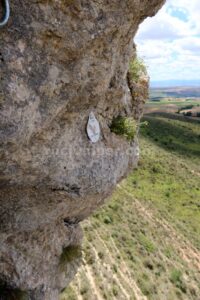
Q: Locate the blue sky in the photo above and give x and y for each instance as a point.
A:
(170, 42)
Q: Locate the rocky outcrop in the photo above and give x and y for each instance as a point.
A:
(60, 60)
(139, 90)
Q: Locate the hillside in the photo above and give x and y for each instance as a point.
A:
(145, 243)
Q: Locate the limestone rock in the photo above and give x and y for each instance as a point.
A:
(60, 60)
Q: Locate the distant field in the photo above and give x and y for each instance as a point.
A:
(175, 92)
(144, 244)
(173, 105)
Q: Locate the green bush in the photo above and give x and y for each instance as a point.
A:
(175, 276)
(146, 287)
(136, 68)
(69, 254)
(124, 126)
(115, 290)
(146, 243)
(107, 220)
(176, 279)
(101, 255)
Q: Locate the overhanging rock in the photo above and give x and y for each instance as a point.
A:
(60, 61)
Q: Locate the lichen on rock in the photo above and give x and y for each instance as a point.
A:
(60, 60)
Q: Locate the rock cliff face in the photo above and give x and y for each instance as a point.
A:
(60, 60)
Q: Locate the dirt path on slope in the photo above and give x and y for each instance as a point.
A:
(128, 279)
(77, 288)
(90, 276)
(114, 276)
(187, 251)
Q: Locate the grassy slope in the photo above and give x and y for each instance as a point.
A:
(145, 242)
(169, 177)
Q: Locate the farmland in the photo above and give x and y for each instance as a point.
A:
(174, 100)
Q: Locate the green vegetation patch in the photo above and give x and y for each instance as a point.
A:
(168, 173)
(124, 126)
(69, 254)
(174, 135)
(137, 68)
(177, 280)
(146, 243)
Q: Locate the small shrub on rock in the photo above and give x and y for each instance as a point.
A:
(137, 68)
(124, 126)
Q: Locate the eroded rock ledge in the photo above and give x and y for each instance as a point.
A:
(60, 60)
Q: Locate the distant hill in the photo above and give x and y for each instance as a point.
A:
(175, 83)
(175, 92)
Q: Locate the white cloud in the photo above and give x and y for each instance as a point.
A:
(163, 26)
(170, 42)
(191, 44)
